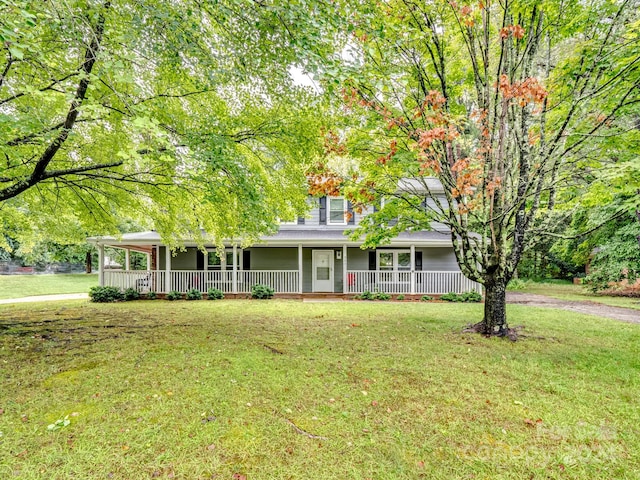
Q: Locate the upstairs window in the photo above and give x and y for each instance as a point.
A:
(337, 211)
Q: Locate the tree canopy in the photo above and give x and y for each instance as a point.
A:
(519, 108)
(181, 115)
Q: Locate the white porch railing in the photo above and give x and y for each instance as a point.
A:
(141, 280)
(431, 283)
(287, 281)
(282, 281)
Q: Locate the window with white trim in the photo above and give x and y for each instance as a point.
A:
(214, 262)
(337, 211)
(393, 260)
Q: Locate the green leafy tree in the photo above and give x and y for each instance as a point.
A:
(507, 104)
(179, 115)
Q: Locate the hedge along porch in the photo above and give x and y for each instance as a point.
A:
(293, 261)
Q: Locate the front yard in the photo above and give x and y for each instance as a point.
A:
(285, 389)
(16, 286)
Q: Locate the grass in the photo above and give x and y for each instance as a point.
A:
(571, 292)
(16, 286)
(200, 390)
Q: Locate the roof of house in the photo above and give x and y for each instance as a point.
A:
(284, 237)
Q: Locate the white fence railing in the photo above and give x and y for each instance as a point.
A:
(432, 283)
(288, 281)
(282, 281)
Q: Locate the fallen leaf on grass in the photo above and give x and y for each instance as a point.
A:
(239, 476)
(532, 423)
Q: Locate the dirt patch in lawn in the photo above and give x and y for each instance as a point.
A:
(592, 308)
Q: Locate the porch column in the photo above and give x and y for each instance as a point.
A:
(127, 259)
(148, 261)
(300, 268)
(345, 279)
(101, 265)
(167, 261)
(234, 274)
(413, 269)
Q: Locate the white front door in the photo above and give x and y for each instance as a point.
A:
(322, 270)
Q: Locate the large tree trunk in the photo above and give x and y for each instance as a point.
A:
(494, 322)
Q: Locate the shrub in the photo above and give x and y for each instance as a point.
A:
(152, 295)
(381, 296)
(261, 292)
(400, 297)
(517, 284)
(215, 294)
(451, 297)
(131, 294)
(367, 295)
(471, 297)
(194, 294)
(426, 298)
(463, 297)
(174, 295)
(105, 294)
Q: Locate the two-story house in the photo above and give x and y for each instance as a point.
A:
(307, 256)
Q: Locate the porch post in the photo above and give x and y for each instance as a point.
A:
(101, 265)
(413, 269)
(300, 268)
(234, 279)
(167, 261)
(345, 279)
(127, 259)
(148, 261)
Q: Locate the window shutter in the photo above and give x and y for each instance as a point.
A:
(350, 214)
(323, 210)
(246, 259)
(199, 260)
(300, 220)
(372, 260)
(419, 261)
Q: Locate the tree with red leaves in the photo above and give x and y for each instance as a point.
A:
(502, 102)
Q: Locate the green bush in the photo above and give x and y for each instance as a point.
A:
(463, 297)
(261, 292)
(471, 297)
(400, 297)
(426, 298)
(214, 294)
(381, 296)
(131, 294)
(366, 295)
(451, 297)
(105, 294)
(517, 284)
(152, 296)
(194, 294)
(174, 295)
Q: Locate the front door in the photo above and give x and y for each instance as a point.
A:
(322, 270)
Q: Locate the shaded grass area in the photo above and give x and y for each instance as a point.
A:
(216, 389)
(16, 286)
(571, 292)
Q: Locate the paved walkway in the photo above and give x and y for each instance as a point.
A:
(46, 298)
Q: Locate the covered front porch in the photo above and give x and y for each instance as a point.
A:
(405, 268)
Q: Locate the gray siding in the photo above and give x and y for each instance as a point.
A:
(185, 260)
(358, 259)
(439, 259)
(274, 258)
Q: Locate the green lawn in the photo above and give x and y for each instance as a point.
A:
(568, 291)
(16, 286)
(200, 390)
